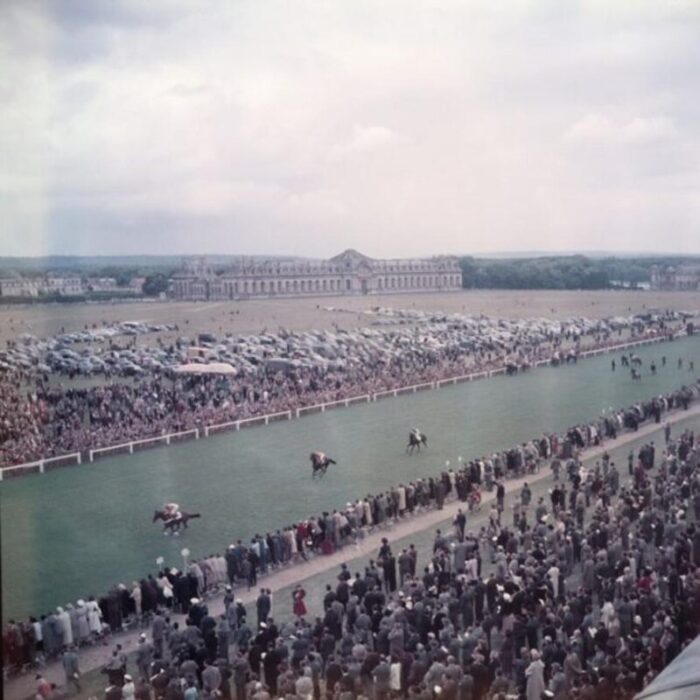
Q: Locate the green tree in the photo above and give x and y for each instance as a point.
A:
(155, 284)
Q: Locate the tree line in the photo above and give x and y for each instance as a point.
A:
(560, 272)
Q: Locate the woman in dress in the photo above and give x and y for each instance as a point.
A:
(299, 607)
(94, 616)
(82, 622)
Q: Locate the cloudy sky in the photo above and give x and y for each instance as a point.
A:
(394, 127)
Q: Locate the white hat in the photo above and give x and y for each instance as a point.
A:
(194, 601)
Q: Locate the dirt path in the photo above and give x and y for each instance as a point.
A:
(95, 656)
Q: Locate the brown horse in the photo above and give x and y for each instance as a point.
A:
(174, 524)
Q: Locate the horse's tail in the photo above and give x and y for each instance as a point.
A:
(190, 516)
(332, 461)
(156, 515)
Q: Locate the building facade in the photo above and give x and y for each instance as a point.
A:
(53, 285)
(349, 273)
(676, 277)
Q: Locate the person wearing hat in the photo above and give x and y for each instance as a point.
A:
(198, 611)
(128, 689)
(144, 656)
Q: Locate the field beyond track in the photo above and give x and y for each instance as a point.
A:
(246, 317)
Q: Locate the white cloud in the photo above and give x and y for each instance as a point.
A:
(598, 128)
(396, 128)
(364, 139)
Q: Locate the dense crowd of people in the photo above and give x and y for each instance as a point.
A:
(588, 595)
(45, 419)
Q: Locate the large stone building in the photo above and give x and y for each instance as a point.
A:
(676, 277)
(347, 273)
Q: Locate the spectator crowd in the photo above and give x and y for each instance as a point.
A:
(587, 594)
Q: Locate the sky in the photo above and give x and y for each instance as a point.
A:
(398, 128)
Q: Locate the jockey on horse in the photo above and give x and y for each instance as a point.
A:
(320, 462)
(416, 439)
(171, 512)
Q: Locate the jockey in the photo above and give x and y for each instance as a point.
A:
(416, 432)
(171, 511)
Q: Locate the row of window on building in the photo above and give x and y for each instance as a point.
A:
(223, 288)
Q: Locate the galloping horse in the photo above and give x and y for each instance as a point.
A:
(319, 463)
(174, 524)
(416, 439)
(635, 374)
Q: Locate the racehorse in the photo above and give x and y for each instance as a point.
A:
(416, 440)
(635, 374)
(174, 524)
(319, 463)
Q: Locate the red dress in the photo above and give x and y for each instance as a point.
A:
(299, 608)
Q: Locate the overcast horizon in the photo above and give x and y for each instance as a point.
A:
(401, 129)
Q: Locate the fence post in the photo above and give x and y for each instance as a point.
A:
(196, 433)
(206, 431)
(238, 425)
(41, 466)
(267, 420)
(131, 448)
(80, 458)
(167, 439)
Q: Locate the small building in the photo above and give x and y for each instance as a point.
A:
(19, 287)
(63, 285)
(136, 284)
(101, 284)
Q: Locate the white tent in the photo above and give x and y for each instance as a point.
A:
(212, 368)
